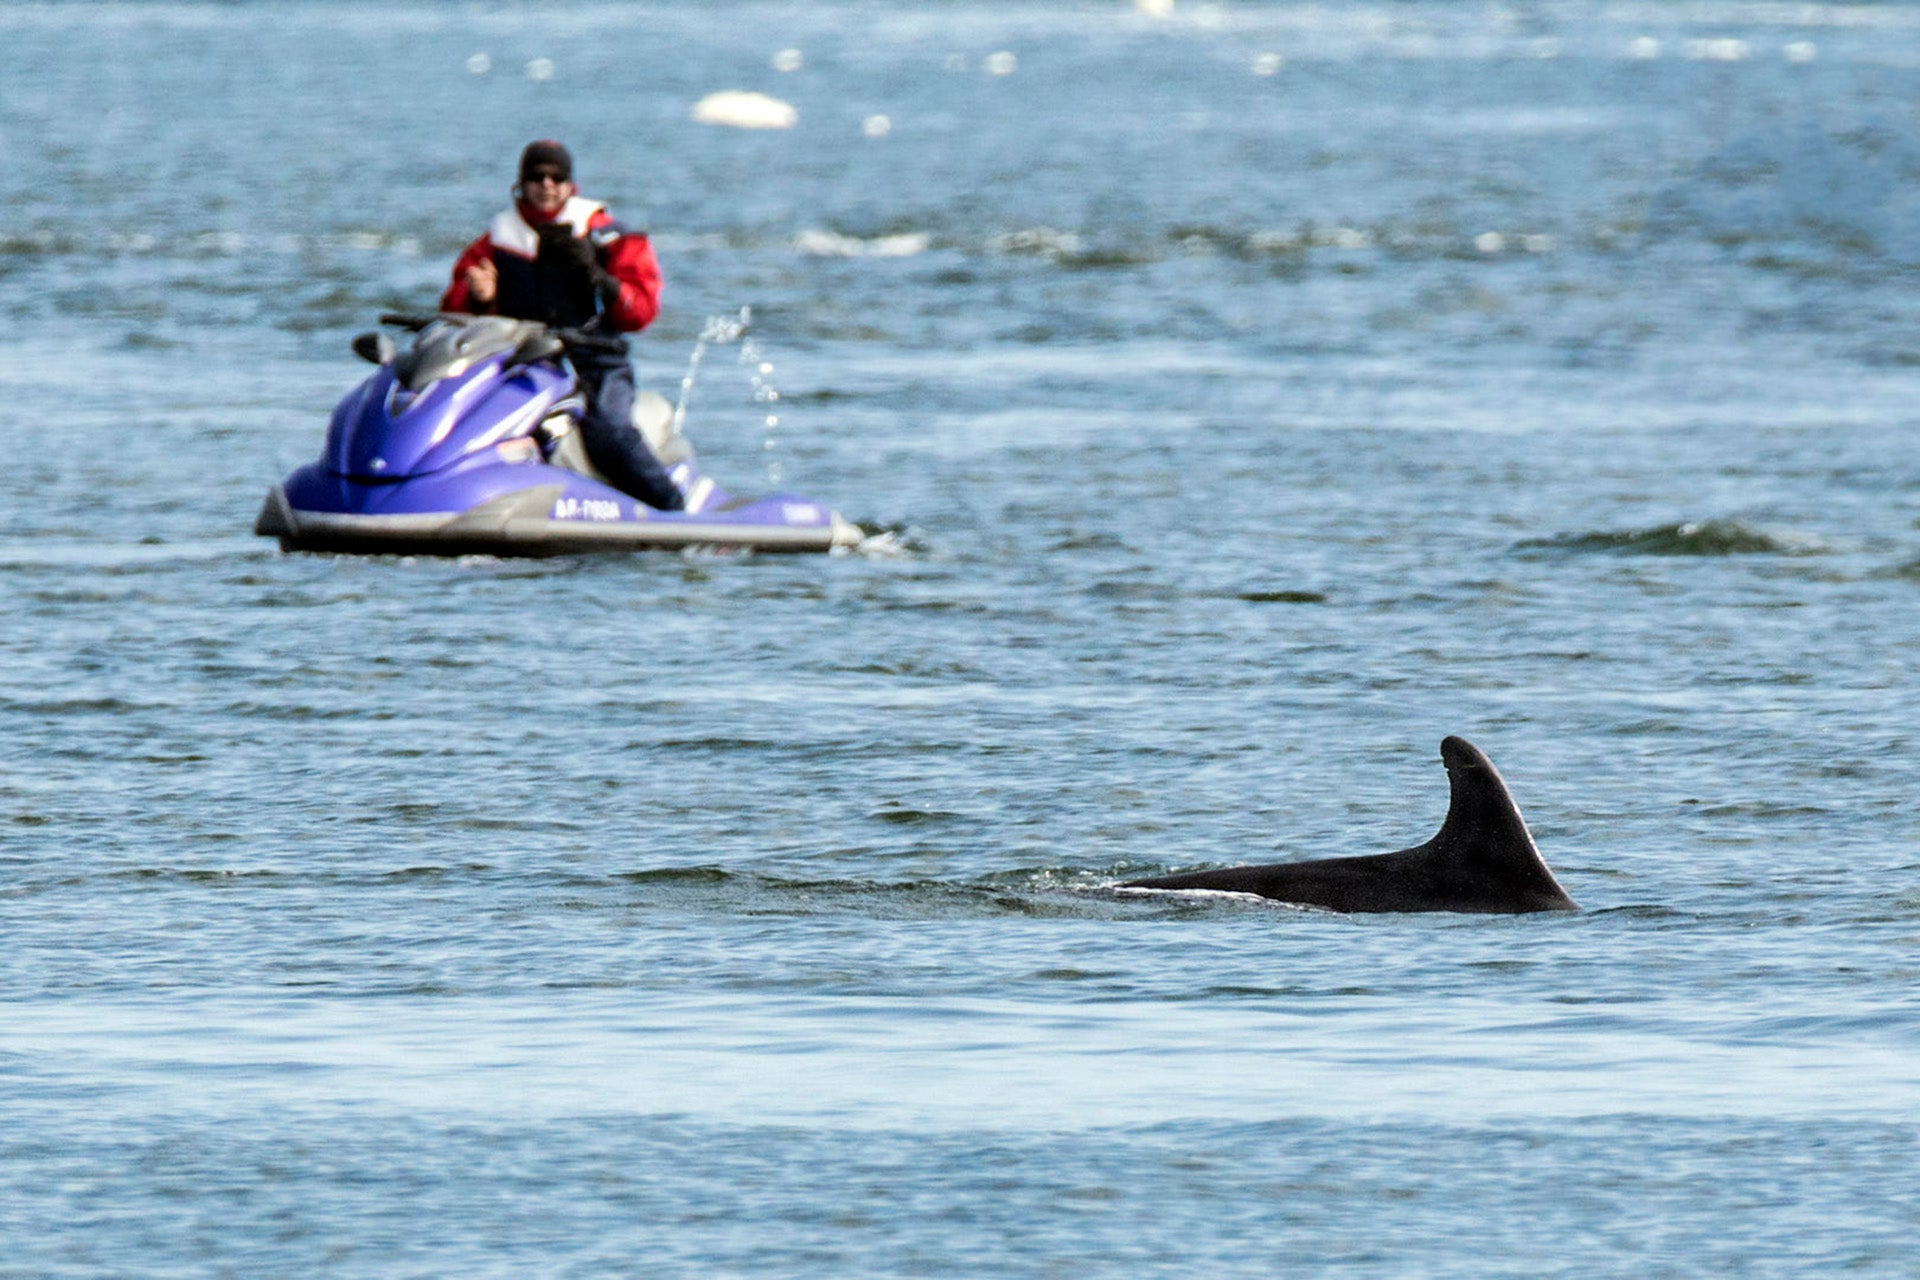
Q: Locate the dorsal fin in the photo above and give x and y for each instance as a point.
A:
(1482, 859)
(1484, 839)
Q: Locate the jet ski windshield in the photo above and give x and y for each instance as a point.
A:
(449, 347)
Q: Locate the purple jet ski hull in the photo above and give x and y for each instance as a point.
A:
(528, 510)
(460, 458)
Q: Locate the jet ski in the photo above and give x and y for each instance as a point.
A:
(468, 442)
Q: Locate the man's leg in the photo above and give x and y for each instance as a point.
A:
(612, 443)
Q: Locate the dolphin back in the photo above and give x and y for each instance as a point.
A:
(1482, 860)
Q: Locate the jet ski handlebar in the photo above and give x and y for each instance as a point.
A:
(588, 340)
(411, 321)
(581, 339)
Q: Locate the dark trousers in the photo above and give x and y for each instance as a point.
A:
(614, 447)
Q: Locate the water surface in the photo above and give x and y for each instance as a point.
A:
(1242, 400)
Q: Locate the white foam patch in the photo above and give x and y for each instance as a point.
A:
(738, 109)
(887, 545)
(1221, 895)
(831, 244)
(1040, 241)
(1720, 49)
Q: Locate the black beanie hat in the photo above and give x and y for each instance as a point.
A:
(546, 154)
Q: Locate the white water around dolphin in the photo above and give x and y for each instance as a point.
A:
(1243, 398)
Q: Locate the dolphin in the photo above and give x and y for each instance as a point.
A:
(1483, 860)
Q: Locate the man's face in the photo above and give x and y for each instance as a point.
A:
(545, 189)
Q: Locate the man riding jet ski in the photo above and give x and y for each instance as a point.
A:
(510, 424)
(555, 257)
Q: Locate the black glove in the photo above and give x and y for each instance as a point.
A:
(573, 255)
(607, 287)
(577, 257)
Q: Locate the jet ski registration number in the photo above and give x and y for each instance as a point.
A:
(586, 509)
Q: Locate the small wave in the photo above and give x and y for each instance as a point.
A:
(46, 242)
(1910, 571)
(117, 557)
(1762, 809)
(921, 667)
(820, 243)
(721, 744)
(38, 244)
(1035, 242)
(1037, 892)
(1277, 247)
(1070, 250)
(678, 875)
(204, 875)
(1282, 597)
(886, 542)
(904, 817)
(84, 706)
(1843, 193)
(1273, 248)
(1691, 538)
(1091, 542)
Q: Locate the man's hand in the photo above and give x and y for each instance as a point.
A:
(573, 253)
(483, 282)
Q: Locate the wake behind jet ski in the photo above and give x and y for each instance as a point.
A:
(468, 442)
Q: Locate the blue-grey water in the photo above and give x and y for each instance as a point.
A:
(1241, 397)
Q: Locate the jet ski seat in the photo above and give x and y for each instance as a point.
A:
(652, 418)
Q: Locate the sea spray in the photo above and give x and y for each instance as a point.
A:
(718, 329)
(759, 375)
(725, 330)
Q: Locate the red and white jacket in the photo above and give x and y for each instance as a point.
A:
(531, 289)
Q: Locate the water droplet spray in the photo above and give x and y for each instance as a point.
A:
(725, 331)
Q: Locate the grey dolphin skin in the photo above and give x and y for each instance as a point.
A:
(1483, 860)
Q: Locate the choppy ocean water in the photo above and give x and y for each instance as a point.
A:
(1243, 398)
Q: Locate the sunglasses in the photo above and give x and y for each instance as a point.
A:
(539, 176)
